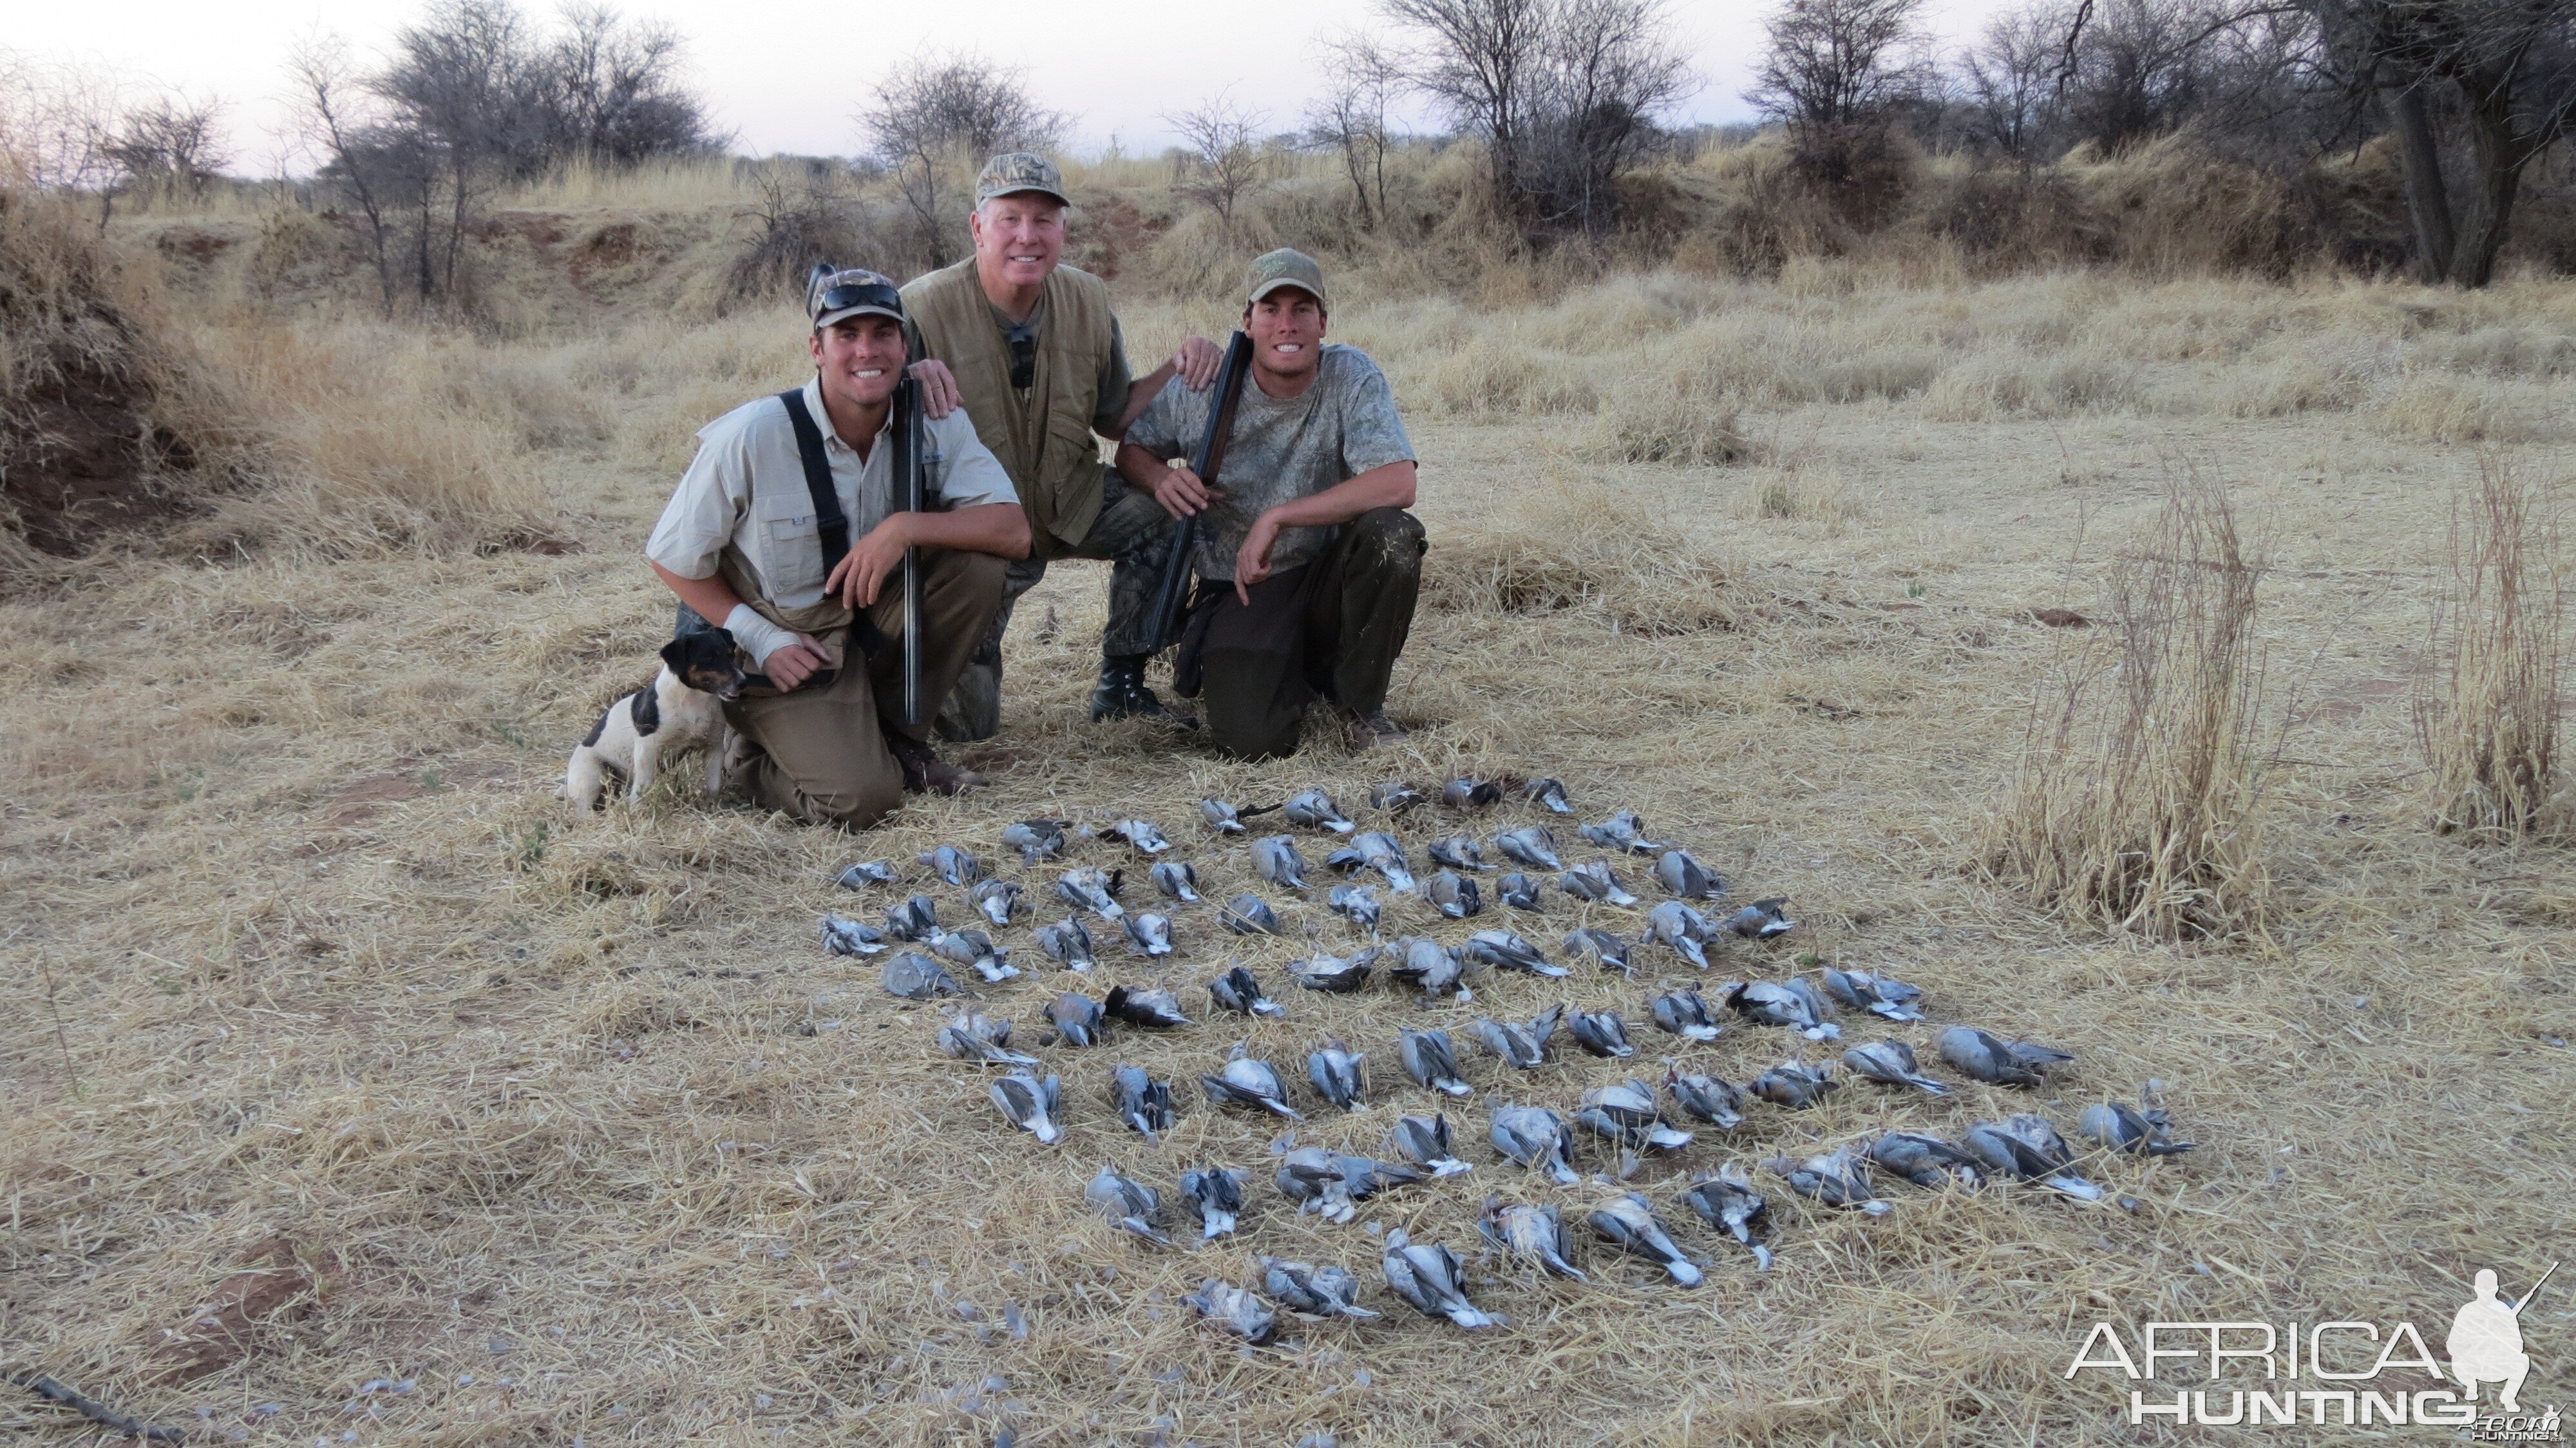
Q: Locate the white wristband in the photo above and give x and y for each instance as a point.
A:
(758, 636)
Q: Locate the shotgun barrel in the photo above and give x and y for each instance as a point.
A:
(1172, 590)
(909, 498)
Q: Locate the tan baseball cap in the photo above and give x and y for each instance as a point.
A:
(1286, 267)
(1014, 171)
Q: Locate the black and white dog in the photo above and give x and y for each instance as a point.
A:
(684, 705)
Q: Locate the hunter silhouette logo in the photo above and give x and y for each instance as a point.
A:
(2486, 1342)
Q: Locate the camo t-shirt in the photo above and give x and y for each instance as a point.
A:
(1282, 449)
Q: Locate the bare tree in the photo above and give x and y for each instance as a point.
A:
(614, 91)
(2009, 81)
(935, 116)
(170, 144)
(1837, 63)
(332, 110)
(1221, 152)
(1361, 81)
(57, 125)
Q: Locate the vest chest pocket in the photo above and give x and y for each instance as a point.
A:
(789, 537)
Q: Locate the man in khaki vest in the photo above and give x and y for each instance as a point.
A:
(1032, 351)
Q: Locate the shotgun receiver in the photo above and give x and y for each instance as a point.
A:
(909, 497)
(1172, 592)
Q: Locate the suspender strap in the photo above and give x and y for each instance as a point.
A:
(831, 524)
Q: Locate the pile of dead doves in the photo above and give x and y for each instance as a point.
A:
(1624, 1119)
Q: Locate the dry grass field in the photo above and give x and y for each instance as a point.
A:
(341, 1053)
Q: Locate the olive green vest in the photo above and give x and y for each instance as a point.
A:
(1046, 446)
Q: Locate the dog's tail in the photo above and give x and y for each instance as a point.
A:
(584, 777)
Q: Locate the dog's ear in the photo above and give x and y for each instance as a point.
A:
(675, 655)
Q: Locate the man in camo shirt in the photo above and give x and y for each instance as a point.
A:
(1308, 562)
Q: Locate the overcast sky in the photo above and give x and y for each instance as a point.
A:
(789, 77)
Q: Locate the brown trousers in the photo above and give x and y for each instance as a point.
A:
(1330, 629)
(822, 753)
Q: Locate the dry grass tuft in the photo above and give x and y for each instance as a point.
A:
(1650, 423)
(2486, 713)
(2138, 804)
(1587, 548)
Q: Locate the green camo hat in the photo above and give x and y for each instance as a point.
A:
(1286, 267)
(1014, 171)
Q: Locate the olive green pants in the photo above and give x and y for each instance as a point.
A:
(1329, 629)
(822, 754)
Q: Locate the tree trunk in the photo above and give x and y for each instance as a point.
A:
(2428, 202)
(2496, 158)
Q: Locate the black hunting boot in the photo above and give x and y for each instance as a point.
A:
(1121, 693)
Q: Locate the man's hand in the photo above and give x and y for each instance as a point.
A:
(1182, 494)
(1252, 560)
(1197, 362)
(790, 665)
(940, 394)
(862, 572)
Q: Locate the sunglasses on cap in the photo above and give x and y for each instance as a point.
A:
(858, 294)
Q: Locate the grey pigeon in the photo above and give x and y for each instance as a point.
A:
(1458, 852)
(1246, 1081)
(1503, 950)
(1522, 1046)
(1235, 1311)
(1355, 904)
(1626, 1113)
(1131, 1206)
(1336, 1074)
(1215, 1194)
(1533, 1136)
(1796, 1085)
(2027, 1148)
(1594, 882)
(1431, 1063)
(865, 873)
(1277, 858)
(1623, 833)
(1326, 1291)
(1428, 1277)
(1601, 1033)
(956, 866)
(969, 1036)
(1152, 1009)
(1628, 1223)
(1432, 967)
(1149, 934)
(1880, 995)
(1331, 972)
(2122, 1127)
(1333, 1184)
(1248, 915)
(1029, 1104)
(1221, 817)
(1519, 891)
(1470, 793)
(1238, 992)
(917, 977)
(1076, 1018)
(973, 948)
(1142, 835)
(1835, 1178)
(915, 918)
(1534, 1234)
(1379, 851)
(1773, 1003)
(1141, 1102)
(1092, 890)
(1685, 878)
(997, 899)
(1549, 794)
(1454, 895)
(1682, 928)
(1709, 1098)
(1176, 880)
(1974, 1054)
(1316, 811)
(1036, 840)
(1600, 947)
(1891, 1063)
(1728, 1202)
(1067, 943)
(1926, 1161)
(1395, 796)
(1531, 845)
(844, 936)
(1762, 919)
(1424, 1141)
(1685, 1014)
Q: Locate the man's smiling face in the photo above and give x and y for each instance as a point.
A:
(860, 358)
(1287, 332)
(1018, 237)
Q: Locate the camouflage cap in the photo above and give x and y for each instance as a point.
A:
(1286, 267)
(849, 291)
(1020, 171)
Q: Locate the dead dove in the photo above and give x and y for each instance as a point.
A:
(1428, 1276)
(1248, 915)
(1176, 880)
(1143, 835)
(1277, 858)
(1891, 1063)
(1549, 794)
(1728, 1202)
(1762, 919)
(1355, 904)
(1926, 1161)
(1424, 1141)
(1522, 1046)
(1221, 817)
(1430, 966)
(1519, 891)
(1601, 948)
(1796, 1085)
(1773, 1003)
(1628, 1223)
(1029, 1104)
(973, 948)
(1973, 1053)
(1238, 992)
(1708, 1098)
(1076, 1018)
(1234, 1311)
(1534, 1234)
(1459, 852)
(1594, 882)
(1503, 950)
(1036, 840)
(844, 936)
(1215, 1194)
(915, 918)
(917, 977)
(1454, 896)
(1316, 811)
(1623, 833)
(1470, 793)
(1531, 845)
(1880, 995)
(2122, 1127)
(2027, 1148)
(1683, 1013)
(1326, 1291)
(865, 873)
(1836, 1179)
(1067, 943)
(1682, 928)
(1686, 878)
(1331, 972)
(1626, 1113)
(1336, 1074)
(1601, 1033)
(1153, 1009)
(1379, 851)
(1247, 1081)
(1429, 1060)
(1333, 1184)
(1533, 1136)
(1149, 934)
(1395, 796)
(1131, 1206)
(1092, 890)
(1140, 1101)
(997, 899)
(969, 1036)
(956, 866)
